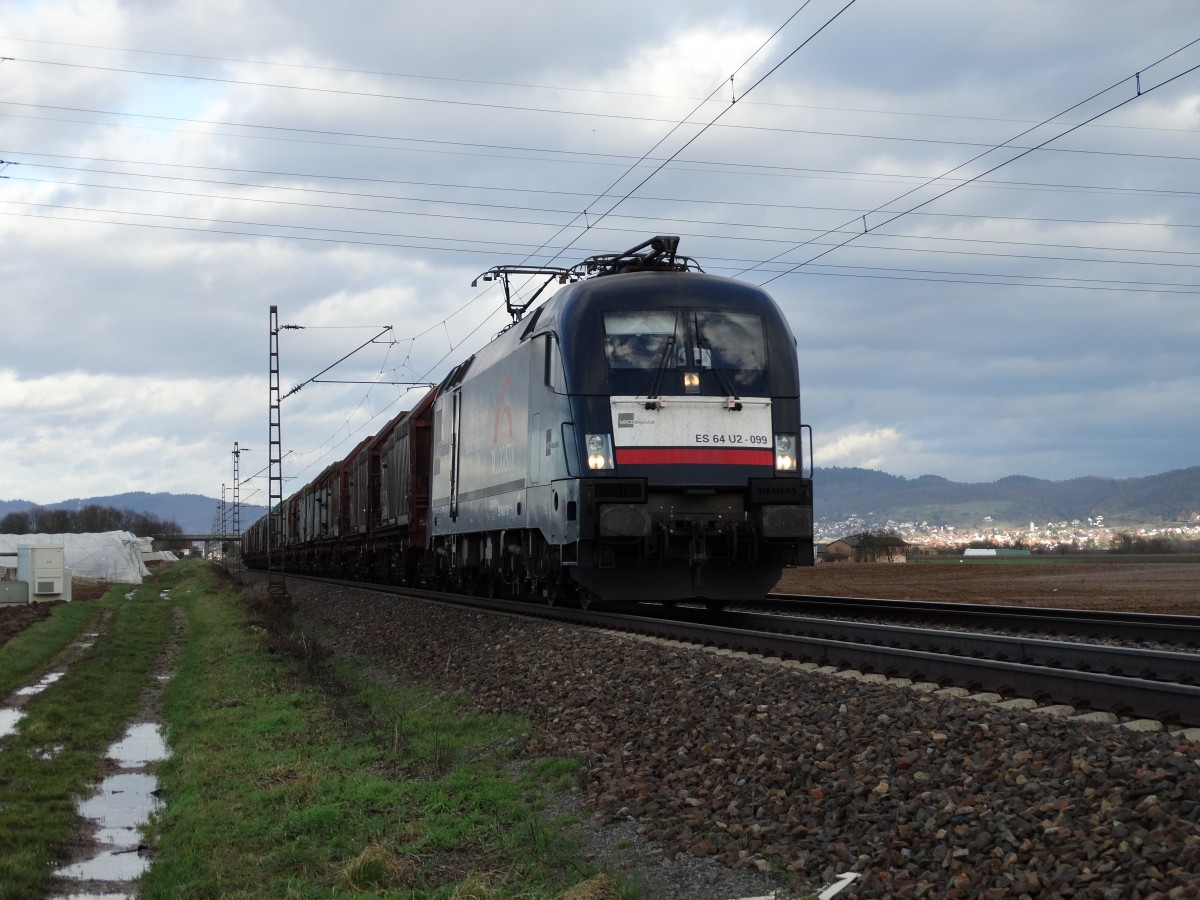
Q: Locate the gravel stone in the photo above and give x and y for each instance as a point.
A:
(721, 776)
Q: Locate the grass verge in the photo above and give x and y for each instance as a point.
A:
(294, 776)
(58, 750)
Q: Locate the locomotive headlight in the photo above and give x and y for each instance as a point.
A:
(599, 451)
(691, 382)
(785, 453)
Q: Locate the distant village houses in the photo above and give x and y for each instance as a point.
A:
(869, 548)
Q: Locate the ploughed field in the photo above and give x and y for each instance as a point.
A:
(1157, 586)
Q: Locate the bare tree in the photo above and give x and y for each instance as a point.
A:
(96, 518)
(20, 522)
(52, 521)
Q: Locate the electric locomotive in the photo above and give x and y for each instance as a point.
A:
(635, 437)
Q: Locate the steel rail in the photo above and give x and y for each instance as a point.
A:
(1119, 694)
(1155, 665)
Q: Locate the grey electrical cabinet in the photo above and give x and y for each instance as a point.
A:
(44, 570)
(12, 592)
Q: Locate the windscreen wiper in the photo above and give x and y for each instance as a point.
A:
(668, 353)
(704, 344)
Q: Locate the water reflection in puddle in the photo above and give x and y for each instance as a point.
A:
(143, 743)
(46, 681)
(111, 865)
(123, 803)
(9, 716)
(8, 721)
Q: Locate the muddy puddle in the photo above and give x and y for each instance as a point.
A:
(13, 712)
(121, 806)
(8, 721)
(143, 744)
(116, 811)
(34, 689)
(110, 856)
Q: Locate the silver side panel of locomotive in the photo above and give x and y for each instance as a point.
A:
(501, 439)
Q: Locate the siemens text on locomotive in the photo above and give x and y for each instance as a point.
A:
(635, 437)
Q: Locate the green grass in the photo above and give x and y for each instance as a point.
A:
(56, 753)
(296, 778)
(291, 775)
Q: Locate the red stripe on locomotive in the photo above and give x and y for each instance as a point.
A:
(707, 456)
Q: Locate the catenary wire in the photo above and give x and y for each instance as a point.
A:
(314, 133)
(555, 87)
(538, 209)
(1024, 152)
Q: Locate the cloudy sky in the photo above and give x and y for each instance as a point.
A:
(980, 218)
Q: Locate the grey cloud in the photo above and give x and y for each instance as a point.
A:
(977, 346)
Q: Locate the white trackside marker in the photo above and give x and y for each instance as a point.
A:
(843, 880)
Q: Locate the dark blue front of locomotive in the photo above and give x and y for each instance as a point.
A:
(685, 397)
(592, 379)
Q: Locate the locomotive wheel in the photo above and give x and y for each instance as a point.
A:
(587, 600)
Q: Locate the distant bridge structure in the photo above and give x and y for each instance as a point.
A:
(207, 538)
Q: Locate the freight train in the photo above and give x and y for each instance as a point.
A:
(635, 437)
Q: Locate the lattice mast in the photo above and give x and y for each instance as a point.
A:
(275, 582)
(237, 503)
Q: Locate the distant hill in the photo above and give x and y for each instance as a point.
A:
(876, 497)
(844, 493)
(193, 513)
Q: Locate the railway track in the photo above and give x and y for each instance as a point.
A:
(1090, 624)
(1127, 682)
(1153, 665)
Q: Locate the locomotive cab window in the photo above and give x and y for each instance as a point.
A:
(553, 375)
(732, 342)
(716, 351)
(638, 340)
